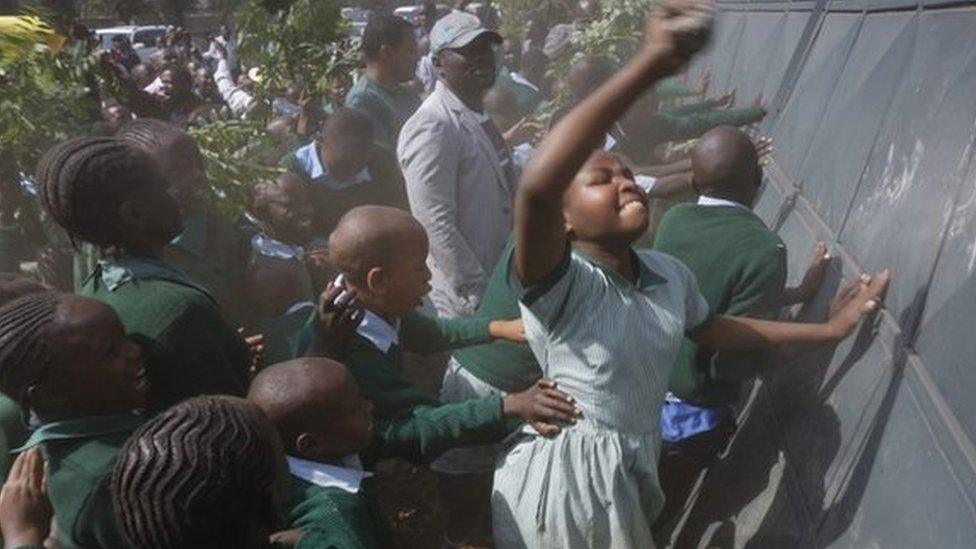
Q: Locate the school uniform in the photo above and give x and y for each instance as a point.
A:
(212, 252)
(281, 329)
(667, 126)
(528, 96)
(13, 433)
(496, 368)
(337, 502)
(189, 349)
(610, 343)
(80, 455)
(375, 355)
(377, 184)
(740, 266)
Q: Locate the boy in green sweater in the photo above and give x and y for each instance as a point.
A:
(105, 192)
(280, 290)
(344, 170)
(740, 266)
(381, 253)
(330, 437)
(67, 360)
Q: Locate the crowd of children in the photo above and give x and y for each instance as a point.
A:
(213, 383)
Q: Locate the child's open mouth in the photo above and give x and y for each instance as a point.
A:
(633, 206)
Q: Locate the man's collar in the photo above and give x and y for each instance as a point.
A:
(348, 478)
(712, 201)
(318, 172)
(379, 332)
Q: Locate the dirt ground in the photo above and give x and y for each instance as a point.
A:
(407, 492)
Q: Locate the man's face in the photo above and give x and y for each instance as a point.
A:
(469, 71)
(403, 56)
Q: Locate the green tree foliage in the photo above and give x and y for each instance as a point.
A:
(301, 44)
(46, 98)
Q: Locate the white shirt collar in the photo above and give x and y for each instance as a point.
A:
(263, 244)
(519, 79)
(711, 201)
(319, 174)
(379, 332)
(348, 478)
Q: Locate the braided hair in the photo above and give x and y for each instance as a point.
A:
(25, 354)
(201, 474)
(83, 181)
(148, 134)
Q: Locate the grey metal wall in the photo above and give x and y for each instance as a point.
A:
(873, 111)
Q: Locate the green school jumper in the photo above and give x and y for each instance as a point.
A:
(667, 126)
(189, 349)
(380, 374)
(740, 266)
(12, 430)
(340, 518)
(80, 456)
(505, 365)
(213, 253)
(385, 187)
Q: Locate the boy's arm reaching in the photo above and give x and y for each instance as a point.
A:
(734, 333)
(426, 334)
(675, 30)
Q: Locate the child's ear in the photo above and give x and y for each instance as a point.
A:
(376, 280)
(306, 444)
(131, 212)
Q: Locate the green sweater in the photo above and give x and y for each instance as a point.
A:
(740, 266)
(80, 456)
(667, 126)
(337, 518)
(189, 349)
(507, 366)
(384, 188)
(380, 375)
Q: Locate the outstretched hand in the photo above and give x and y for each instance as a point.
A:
(25, 510)
(764, 146)
(337, 316)
(541, 405)
(859, 298)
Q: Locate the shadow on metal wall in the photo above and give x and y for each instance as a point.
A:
(874, 116)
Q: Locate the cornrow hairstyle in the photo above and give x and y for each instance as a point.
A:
(201, 474)
(83, 181)
(148, 134)
(25, 355)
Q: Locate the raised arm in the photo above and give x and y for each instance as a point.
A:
(676, 29)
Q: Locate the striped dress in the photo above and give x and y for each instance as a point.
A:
(611, 344)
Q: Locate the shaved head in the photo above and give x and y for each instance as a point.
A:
(372, 236)
(725, 165)
(297, 394)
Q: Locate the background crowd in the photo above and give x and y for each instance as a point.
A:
(545, 283)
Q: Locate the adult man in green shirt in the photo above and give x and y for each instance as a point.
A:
(740, 266)
(382, 91)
